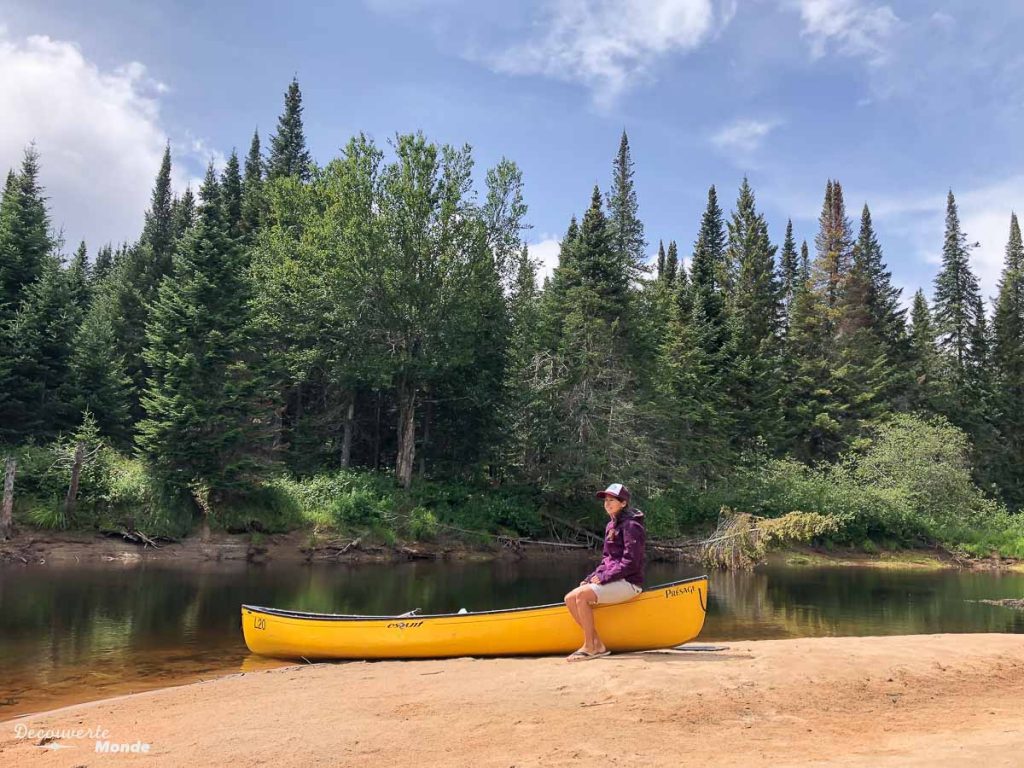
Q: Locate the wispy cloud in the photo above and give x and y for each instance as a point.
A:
(609, 45)
(744, 135)
(984, 217)
(848, 27)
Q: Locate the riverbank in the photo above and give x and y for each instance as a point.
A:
(920, 700)
(41, 547)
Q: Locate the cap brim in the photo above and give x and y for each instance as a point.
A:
(606, 495)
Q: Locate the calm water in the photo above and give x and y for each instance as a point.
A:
(70, 635)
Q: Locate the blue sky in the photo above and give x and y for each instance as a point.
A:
(900, 101)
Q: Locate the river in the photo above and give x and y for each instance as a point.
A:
(77, 634)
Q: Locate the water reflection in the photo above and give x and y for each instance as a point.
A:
(70, 635)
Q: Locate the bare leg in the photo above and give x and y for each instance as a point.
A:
(585, 601)
(570, 603)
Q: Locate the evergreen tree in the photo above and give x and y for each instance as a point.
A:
(789, 266)
(252, 190)
(202, 429)
(184, 215)
(661, 260)
(962, 332)
(102, 265)
(957, 297)
(288, 153)
(625, 230)
(25, 241)
(231, 194)
(1008, 360)
(98, 382)
(672, 269)
(923, 359)
(158, 233)
(79, 278)
(754, 385)
(834, 243)
(38, 340)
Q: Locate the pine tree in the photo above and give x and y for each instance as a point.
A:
(288, 153)
(1008, 361)
(203, 415)
(625, 230)
(231, 194)
(601, 269)
(661, 260)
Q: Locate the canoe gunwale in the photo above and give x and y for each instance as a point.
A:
(355, 617)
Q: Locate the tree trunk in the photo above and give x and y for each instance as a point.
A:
(406, 433)
(346, 437)
(376, 434)
(8, 505)
(76, 472)
(426, 438)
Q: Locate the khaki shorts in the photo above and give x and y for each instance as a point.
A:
(615, 592)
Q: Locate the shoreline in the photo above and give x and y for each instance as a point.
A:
(851, 701)
(63, 548)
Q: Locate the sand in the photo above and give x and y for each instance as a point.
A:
(925, 700)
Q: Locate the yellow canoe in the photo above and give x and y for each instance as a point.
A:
(659, 617)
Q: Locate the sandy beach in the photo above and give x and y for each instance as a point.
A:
(924, 700)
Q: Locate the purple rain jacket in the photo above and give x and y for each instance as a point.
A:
(623, 555)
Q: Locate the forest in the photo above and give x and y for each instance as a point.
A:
(366, 343)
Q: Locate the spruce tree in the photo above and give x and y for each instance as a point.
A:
(288, 153)
(661, 260)
(102, 264)
(252, 191)
(834, 243)
(789, 266)
(625, 230)
(202, 429)
(1008, 361)
(957, 296)
(754, 384)
(97, 378)
(231, 194)
(25, 241)
(158, 233)
(672, 270)
(923, 360)
(184, 215)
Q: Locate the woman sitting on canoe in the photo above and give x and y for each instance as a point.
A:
(619, 577)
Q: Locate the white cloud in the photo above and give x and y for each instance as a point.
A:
(609, 45)
(545, 255)
(850, 27)
(743, 135)
(98, 133)
(984, 217)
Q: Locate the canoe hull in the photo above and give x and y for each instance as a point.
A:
(660, 617)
